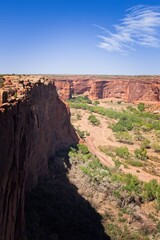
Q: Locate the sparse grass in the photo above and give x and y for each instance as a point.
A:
(135, 163)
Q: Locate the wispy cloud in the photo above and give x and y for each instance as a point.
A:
(139, 27)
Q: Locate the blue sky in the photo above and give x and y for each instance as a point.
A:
(80, 36)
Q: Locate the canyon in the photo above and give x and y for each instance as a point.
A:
(129, 88)
(35, 126)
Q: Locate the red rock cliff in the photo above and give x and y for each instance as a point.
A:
(128, 88)
(31, 129)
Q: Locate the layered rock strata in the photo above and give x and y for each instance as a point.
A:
(128, 88)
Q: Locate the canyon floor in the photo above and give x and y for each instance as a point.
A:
(102, 135)
(101, 189)
(104, 143)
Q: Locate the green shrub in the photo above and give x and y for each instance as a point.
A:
(117, 163)
(83, 148)
(119, 102)
(81, 99)
(79, 116)
(150, 190)
(131, 183)
(138, 137)
(118, 127)
(122, 152)
(81, 133)
(146, 143)
(156, 147)
(108, 150)
(141, 107)
(124, 137)
(96, 103)
(141, 153)
(92, 118)
(135, 163)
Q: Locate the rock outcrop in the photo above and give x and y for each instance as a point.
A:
(33, 127)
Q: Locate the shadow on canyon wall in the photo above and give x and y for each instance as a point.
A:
(56, 211)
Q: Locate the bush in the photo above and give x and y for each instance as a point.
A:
(92, 118)
(81, 133)
(79, 116)
(108, 150)
(124, 137)
(141, 107)
(119, 102)
(141, 153)
(122, 152)
(146, 143)
(96, 103)
(156, 147)
(81, 99)
(150, 190)
(118, 127)
(83, 148)
(138, 137)
(124, 124)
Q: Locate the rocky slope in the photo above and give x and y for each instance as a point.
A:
(33, 127)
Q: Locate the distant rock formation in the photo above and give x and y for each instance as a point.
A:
(128, 88)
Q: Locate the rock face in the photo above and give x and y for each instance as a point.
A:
(32, 129)
(128, 88)
(63, 89)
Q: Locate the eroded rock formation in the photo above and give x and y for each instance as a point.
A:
(32, 128)
(128, 88)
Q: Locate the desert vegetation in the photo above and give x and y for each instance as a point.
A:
(123, 160)
(127, 193)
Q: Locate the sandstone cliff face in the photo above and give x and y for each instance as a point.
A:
(68, 86)
(128, 88)
(31, 130)
(63, 89)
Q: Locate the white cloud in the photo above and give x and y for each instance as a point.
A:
(139, 27)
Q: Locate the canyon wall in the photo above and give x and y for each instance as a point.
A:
(128, 88)
(35, 123)
(33, 127)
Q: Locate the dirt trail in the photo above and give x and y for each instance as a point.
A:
(102, 135)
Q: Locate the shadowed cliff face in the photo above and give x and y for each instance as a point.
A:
(31, 130)
(56, 211)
